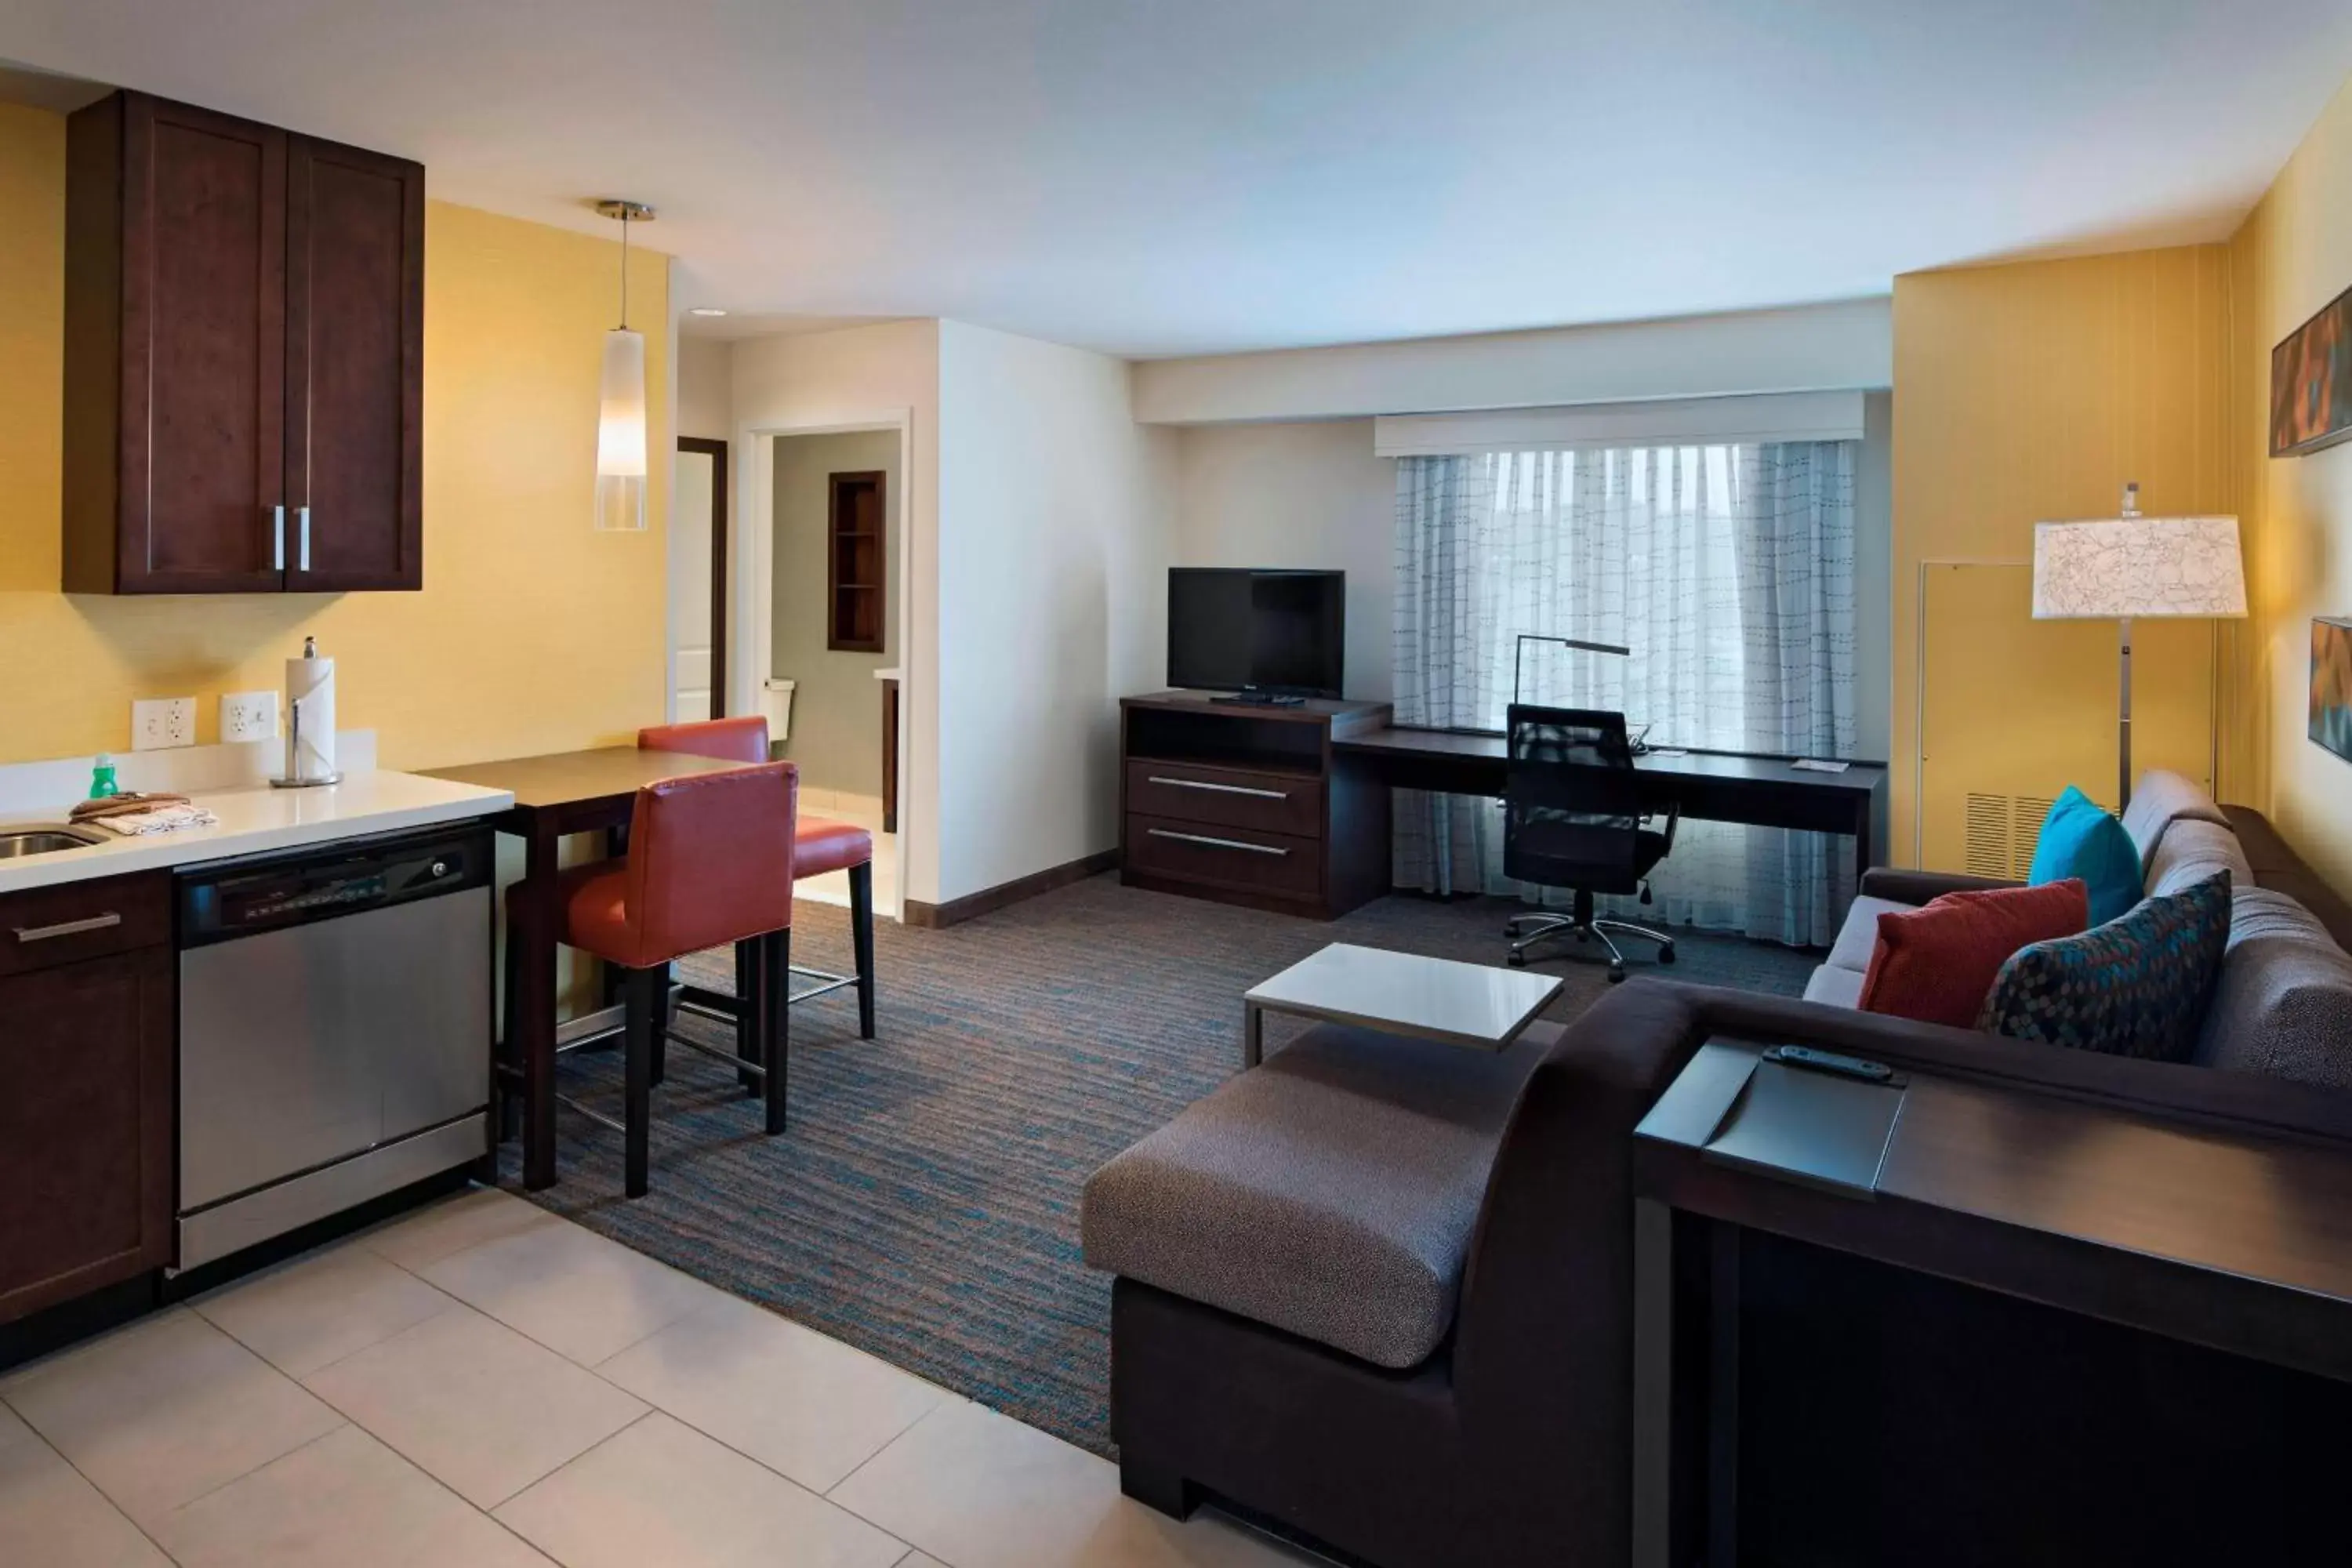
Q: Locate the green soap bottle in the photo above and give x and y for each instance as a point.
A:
(101, 778)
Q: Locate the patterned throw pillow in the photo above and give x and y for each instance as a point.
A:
(2135, 986)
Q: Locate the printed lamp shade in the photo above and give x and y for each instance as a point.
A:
(2134, 566)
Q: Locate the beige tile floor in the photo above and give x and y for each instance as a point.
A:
(482, 1383)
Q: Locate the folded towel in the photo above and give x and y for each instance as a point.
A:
(123, 802)
(166, 818)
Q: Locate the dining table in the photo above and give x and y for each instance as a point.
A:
(555, 794)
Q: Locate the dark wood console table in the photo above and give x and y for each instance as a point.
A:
(2027, 1263)
(1250, 805)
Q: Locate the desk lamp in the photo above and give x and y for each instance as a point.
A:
(2130, 566)
(1519, 652)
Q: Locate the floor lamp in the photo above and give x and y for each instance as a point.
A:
(2130, 567)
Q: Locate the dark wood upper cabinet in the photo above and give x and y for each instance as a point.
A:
(354, 368)
(244, 313)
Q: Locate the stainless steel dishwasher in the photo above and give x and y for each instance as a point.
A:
(334, 1029)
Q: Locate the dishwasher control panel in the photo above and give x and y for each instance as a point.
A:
(243, 898)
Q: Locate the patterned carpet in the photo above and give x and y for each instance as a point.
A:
(923, 1203)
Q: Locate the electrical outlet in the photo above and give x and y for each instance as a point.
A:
(158, 723)
(248, 716)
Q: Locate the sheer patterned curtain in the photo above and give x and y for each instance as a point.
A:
(1729, 573)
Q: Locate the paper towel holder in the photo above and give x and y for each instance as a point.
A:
(294, 778)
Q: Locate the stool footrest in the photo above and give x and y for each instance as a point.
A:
(720, 1007)
(598, 1117)
(730, 1058)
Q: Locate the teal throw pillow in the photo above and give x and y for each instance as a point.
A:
(2135, 986)
(2078, 839)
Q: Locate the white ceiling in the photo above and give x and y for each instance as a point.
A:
(1181, 176)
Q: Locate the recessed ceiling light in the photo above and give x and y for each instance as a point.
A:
(705, 311)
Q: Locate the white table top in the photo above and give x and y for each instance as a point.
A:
(1479, 1006)
(257, 817)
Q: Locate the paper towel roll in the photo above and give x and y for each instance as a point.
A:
(310, 719)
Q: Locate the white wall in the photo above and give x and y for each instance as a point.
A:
(1057, 529)
(1804, 349)
(706, 392)
(860, 375)
(1873, 590)
(1312, 494)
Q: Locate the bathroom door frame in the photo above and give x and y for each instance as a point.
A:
(755, 550)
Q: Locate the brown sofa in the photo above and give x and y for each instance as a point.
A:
(2283, 1005)
(1416, 1346)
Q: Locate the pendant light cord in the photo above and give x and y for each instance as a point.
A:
(624, 272)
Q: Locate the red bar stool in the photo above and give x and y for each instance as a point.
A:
(821, 846)
(710, 862)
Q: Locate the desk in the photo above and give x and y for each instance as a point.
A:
(555, 794)
(2216, 1234)
(1710, 786)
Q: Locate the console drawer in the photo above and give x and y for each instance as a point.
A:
(1234, 797)
(1245, 857)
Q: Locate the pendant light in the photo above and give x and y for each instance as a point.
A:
(621, 424)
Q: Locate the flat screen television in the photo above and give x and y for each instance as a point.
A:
(1275, 633)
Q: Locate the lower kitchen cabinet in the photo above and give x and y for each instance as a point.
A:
(86, 1088)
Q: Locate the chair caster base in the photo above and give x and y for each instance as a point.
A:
(1616, 973)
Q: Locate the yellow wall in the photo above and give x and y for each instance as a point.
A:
(2028, 393)
(532, 632)
(2292, 256)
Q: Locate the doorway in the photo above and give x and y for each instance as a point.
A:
(828, 636)
(698, 582)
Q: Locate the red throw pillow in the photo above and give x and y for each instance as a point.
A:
(1936, 963)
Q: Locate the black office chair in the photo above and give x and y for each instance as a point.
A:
(1572, 818)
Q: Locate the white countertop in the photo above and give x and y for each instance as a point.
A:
(254, 818)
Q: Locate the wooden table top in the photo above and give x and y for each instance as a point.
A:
(2215, 1198)
(568, 778)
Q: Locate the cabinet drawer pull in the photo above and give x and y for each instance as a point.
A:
(1215, 843)
(67, 928)
(278, 529)
(303, 559)
(1222, 789)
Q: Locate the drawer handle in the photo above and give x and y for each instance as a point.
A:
(1222, 789)
(67, 928)
(1215, 843)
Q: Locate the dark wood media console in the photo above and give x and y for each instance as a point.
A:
(1252, 805)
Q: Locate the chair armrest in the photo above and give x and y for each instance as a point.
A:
(1909, 886)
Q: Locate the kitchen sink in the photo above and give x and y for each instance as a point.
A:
(44, 838)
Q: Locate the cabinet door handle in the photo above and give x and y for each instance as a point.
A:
(303, 560)
(67, 928)
(1222, 789)
(278, 529)
(1215, 843)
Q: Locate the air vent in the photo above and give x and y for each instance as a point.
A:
(2002, 832)
(2027, 812)
(1988, 836)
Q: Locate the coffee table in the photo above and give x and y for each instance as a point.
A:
(1478, 1007)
